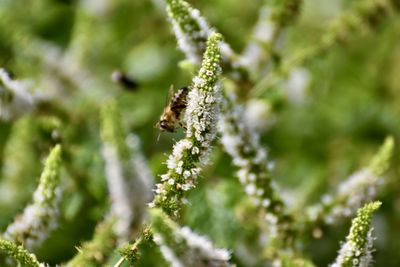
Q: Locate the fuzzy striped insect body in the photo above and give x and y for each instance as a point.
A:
(172, 114)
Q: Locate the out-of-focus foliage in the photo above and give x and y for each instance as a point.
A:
(68, 49)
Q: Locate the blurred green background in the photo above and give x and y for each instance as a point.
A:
(352, 104)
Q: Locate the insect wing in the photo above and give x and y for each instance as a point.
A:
(170, 96)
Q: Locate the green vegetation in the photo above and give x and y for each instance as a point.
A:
(288, 143)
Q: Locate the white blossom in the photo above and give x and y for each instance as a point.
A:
(192, 31)
(241, 142)
(263, 34)
(190, 28)
(41, 217)
(60, 66)
(96, 7)
(201, 117)
(119, 190)
(257, 115)
(182, 247)
(296, 85)
(361, 187)
(139, 165)
(128, 178)
(204, 246)
(167, 252)
(358, 248)
(185, 44)
(16, 97)
(129, 184)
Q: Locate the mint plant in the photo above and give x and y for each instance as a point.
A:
(285, 100)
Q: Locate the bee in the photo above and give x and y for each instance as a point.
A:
(171, 116)
(124, 80)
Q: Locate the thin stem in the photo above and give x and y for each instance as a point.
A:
(121, 260)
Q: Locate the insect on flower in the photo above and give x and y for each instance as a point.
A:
(177, 102)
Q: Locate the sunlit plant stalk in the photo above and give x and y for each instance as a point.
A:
(190, 153)
(41, 217)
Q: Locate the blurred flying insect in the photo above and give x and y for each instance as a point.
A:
(171, 116)
(124, 80)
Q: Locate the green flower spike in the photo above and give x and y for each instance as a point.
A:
(360, 188)
(192, 32)
(201, 119)
(357, 251)
(40, 218)
(19, 253)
